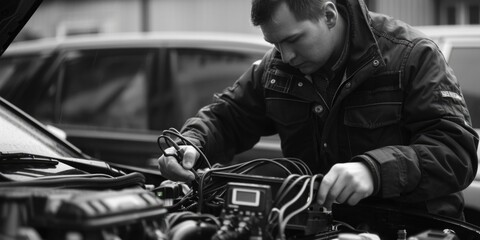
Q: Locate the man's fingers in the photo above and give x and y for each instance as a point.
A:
(190, 156)
(343, 196)
(176, 171)
(171, 169)
(344, 183)
(355, 198)
(327, 183)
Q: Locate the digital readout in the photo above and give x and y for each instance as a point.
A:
(246, 197)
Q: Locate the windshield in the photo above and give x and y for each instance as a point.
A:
(17, 135)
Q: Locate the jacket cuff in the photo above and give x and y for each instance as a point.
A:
(374, 168)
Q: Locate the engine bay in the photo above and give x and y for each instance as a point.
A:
(268, 199)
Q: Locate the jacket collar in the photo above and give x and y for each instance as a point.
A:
(363, 44)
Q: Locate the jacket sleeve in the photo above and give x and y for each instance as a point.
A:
(235, 121)
(441, 157)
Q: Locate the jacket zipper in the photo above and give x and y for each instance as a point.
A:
(321, 97)
(348, 79)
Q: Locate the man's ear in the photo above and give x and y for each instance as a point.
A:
(330, 14)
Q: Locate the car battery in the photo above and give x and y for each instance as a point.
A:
(82, 214)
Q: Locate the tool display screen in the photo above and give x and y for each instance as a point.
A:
(246, 197)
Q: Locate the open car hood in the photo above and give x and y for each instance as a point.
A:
(14, 14)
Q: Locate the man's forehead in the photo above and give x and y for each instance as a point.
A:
(282, 25)
(273, 36)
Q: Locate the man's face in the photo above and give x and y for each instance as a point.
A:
(306, 45)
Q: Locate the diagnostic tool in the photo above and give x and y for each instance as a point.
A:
(245, 212)
(246, 197)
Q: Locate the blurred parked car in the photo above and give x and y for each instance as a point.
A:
(113, 94)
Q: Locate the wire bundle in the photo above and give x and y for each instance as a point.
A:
(208, 194)
(173, 219)
(282, 210)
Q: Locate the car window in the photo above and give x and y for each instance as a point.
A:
(105, 89)
(464, 61)
(15, 70)
(199, 73)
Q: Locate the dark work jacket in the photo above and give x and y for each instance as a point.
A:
(399, 106)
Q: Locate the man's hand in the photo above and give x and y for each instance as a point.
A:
(172, 169)
(345, 182)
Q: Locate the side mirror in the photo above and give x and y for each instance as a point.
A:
(57, 132)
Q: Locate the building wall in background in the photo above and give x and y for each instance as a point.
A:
(201, 15)
(68, 17)
(413, 12)
(58, 18)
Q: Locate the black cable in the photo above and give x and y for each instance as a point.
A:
(200, 191)
(290, 187)
(298, 162)
(260, 162)
(185, 141)
(283, 186)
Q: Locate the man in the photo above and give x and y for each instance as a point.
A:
(360, 97)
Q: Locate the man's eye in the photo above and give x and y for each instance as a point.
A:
(293, 40)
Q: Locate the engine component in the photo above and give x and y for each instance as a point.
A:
(64, 213)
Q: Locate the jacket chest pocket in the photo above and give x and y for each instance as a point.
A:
(373, 126)
(373, 117)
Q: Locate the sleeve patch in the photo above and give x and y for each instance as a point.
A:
(453, 95)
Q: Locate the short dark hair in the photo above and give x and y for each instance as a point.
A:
(262, 10)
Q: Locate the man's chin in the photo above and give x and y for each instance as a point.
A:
(307, 70)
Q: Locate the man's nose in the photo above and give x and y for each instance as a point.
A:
(287, 54)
